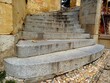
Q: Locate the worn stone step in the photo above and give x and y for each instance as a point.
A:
(51, 64)
(51, 19)
(51, 23)
(52, 16)
(58, 13)
(66, 36)
(35, 35)
(29, 48)
(53, 29)
(52, 26)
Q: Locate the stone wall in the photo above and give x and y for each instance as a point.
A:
(19, 13)
(90, 16)
(39, 6)
(12, 14)
(6, 17)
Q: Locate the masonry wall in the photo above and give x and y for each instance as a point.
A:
(39, 6)
(12, 14)
(6, 17)
(90, 16)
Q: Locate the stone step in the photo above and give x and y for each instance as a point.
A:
(52, 19)
(30, 48)
(52, 23)
(52, 16)
(58, 13)
(52, 64)
(66, 36)
(35, 35)
(53, 29)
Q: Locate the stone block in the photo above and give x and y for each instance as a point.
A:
(6, 18)
(32, 48)
(39, 6)
(6, 1)
(6, 42)
(6, 48)
(52, 64)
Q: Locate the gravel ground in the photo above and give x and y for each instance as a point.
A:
(105, 76)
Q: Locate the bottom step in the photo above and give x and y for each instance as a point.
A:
(52, 64)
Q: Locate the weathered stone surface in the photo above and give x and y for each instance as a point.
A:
(66, 36)
(43, 28)
(39, 6)
(35, 35)
(6, 42)
(6, 18)
(36, 48)
(6, 1)
(6, 47)
(19, 13)
(52, 64)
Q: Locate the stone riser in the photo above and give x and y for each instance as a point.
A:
(52, 64)
(66, 36)
(58, 14)
(53, 20)
(32, 23)
(34, 35)
(29, 48)
(34, 27)
(51, 29)
(52, 17)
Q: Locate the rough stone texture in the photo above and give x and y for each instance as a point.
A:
(39, 6)
(90, 14)
(35, 35)
(6, 47)
(6, 1)
(11, 16)
(6, 18)
(6, 42)
(89, 73)
(36, 48)
(19, 13)
(54, 63)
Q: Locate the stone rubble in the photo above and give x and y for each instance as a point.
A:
(89, 73)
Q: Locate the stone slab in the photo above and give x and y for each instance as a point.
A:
(30, 48)
(35, 35)
(6, 42)
(66, 36)
(51, 64)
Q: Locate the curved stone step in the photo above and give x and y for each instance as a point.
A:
(52, 64)
(35, 35)
(29, 48)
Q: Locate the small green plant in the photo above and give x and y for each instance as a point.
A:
(10, 81)
(2, 76)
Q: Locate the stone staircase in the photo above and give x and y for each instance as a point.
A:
(52, 44)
